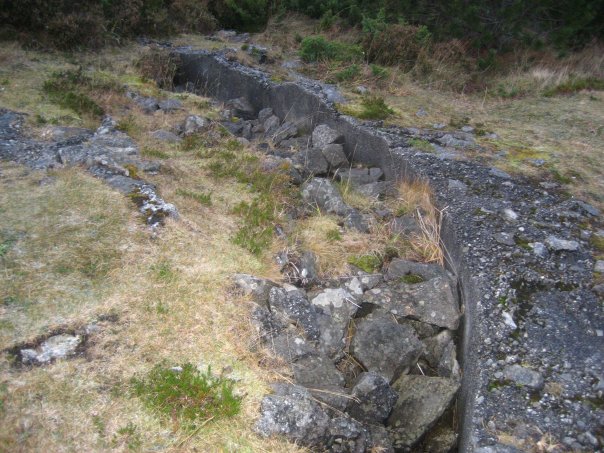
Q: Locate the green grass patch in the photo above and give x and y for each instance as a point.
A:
(421, 144)
(597, 242)
(347, 74)
(379, 72)
(575, 85)
(317, 48)
(128, 125)
(367, 263)
(333, 235)
(187, 394)
(200, 197)
(68, 90)
(256, 232)
(370, 108)
(154, 153)
(412, 279)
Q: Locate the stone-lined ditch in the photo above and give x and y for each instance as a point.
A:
(532, 344)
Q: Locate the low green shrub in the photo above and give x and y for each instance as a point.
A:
(349, 73)
(186, 394)
(67, 89)
(575, 84)
(317, 48)
(374, 108)
(200, 197)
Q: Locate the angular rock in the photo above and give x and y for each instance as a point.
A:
(332, 397)
(323, 135)
(271, 125)
(169, 105)
(147, 104)
(284, 132)
(499, 173)
(290, 346)
(294, 307)
(312, 161)
(377, 189)
(241, 108)
(256, 287)
(431, 301)
(455, 184)
(524, 376)
(441, 440)
(422, 401)
(338, 303)
(55, 347)
(317, 371)
(267, 324)
(291, 412)
(322, 193)
(347, 436)
(379, 439)
(265, 114)
(165, 136)
(373, 398)
(309, 273)
(334, 155)
(406, 225)
(359, 176)
(385, 347)
(332, 337)
(599, 267)
(448, 366)
(398, 268)
(557, 244)
(195, 124)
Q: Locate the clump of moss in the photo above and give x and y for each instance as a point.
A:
(368, 263)
(412, 279)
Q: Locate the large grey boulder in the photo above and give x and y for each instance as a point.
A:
(359, 176)
(558, 244)
(55, 347)
(373, 398)
(422, 401)
(271, 124)
(165, 136)
(292, 413)
(294, 307)
(322, 193)
(255, 287)
(334, 155)
(170, 105)
(323, 135)
(265, 114)
(377, 189)
(195, 124)
(385, 347)
(405, 225)
(431, 301)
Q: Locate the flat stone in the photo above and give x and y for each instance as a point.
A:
(431, 301)
(454, 184)
(373, 398)
(256, 287)
(359, 176)
(422, 401)
(165, 136)
(539, 249)
(170, 105)
(499, 173)
(377, 189)
(334, 155)
(509, 214)
(312, 161)
(336, 302)
(385, 347)
(195, 124)
(317, 371)
(524, 376)
(558, 244)
(589, 209)
(504, 238)
(292, 413)
(294, 307)
(291, 347)
(55, 347)
(323, 135)
(599, 267)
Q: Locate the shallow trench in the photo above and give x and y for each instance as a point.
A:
(306, 107)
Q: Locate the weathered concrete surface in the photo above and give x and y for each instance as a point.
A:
(548, 296)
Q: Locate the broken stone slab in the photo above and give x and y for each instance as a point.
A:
(406, 225)
(524, 376)
(435, 347)
(398, 268)
(332, 338)
(317, 371)
(334, 155)
(448, 366)
(241, 108)
(359, 176)
(147, 104)
(323, 135)
(337, 303)
(292, 413)
(294, 307)
(373, 398)
(385, 347)
(62, 133)
(256, 287)
(377, 189)
(165, 136)
(271, 124)
(55, 347)
(290, 346)
(311, 161)
(431, 302)
(267, 324)
(284, 132)
(558, 244)
(265, 114)
(421, 402)
(170, 105)
(347, 436)
(195, 124)
(332, 397)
